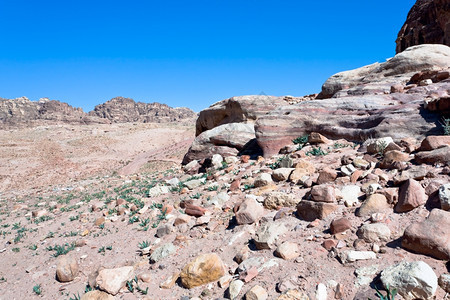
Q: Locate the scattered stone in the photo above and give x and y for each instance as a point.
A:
(310, 210)
(235, 288)
(323, 193)
(162, 252)
(145, 277)
(158, 191)
(440, 155)
(268, 234)
(112, 280)
(274, 200)
(444, 282)
(411, 195)
(321, 292)
(282, 174)
(216, 161)
(374, 232)
(263, 179)
(327, 175)
(350, 194)
(434, 142)
(340, 225)
(375, 203)
(352, 256)
(195, 183)
(302, 169)
(205, 268)
(444, 196)
(66, 268)
(288, 250)
(348, 170)
(257, 292)
(361, 163)
(249, 212)
(365, 275)
(329, 244)
(163, 230)
(170, 281)
(430, 237)
(378, 145)
(413, 280)
(225, 280)
(293, 295)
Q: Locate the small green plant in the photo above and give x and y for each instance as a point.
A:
(133, 219)
(195, 196)
(37, 289)
(301, 141)
(15, 250)
(33, 247)
(74, 218)
(75, 297)
(248, 186)
(144, 244)
(213, 188)
(61, 249)
(101, 226)
(316, 152)
(389, 296)
(276, 164)
(446, 125)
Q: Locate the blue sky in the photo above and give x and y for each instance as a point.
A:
(187, 53)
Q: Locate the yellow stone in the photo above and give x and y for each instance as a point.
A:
(204, 269)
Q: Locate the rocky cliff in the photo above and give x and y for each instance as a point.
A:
(120, 110)
(21, 112)
(428, 22)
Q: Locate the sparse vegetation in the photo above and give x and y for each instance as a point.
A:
(316, 151)
(389, 296)
(301, 141)
(446, 125)
(61, 249)
(37, 289)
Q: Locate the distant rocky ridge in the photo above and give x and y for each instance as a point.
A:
(21, 112)
(428, 22)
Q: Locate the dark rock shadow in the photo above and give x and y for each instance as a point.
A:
(251, 148)
(232, 224)
(433, 202)
(395, 243)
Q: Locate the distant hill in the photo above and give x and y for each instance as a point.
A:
(21, 112)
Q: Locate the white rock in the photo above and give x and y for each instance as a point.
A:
(375, 146)
(350, 194)
(194, 183)
(173, 182)
(374, 232)
(321, 292)
(158, 190)
(352, 256)
(263, 179)
(235, 288)
(112, 280)
(413, 280)
(444, 196)
(231, 160)
(348, 169)
(216, 161)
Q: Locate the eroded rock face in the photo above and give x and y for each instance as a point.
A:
(242, 109)
(359, 104)
(203, 269)
(428, 22)
(121, 110)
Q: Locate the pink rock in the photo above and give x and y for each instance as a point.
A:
(430, 237)
(326, 175)
(310, 210)
(323, 193)
(412, 195)
(440, 155)
(433, 142)
(340, 225)
(249, 212)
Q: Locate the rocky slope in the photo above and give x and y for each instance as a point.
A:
(428, 22)
(22, 112)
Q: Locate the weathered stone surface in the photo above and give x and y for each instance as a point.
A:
(363, 109)
(413, 280)
(257, 292)
(97, 295)
(66, 268)
(263, 179)
(444, 282)
(374, 232)
(433, 142)
(326, 175)
(112, 280)
(352, 256)
(242, 109)
(249, 212)
(274, 200)
(340, 225)
(302, 168)
(294, 295)
(350, 194)
(430, 237)
(444, 196)
(268, 233)
(427, 23)
(226, 140)
(288, 250)
(205, 268)
(235, 288)
(440, 155)
(282, 174)
(162, 252)
(411, 195)
(310, 210)
(375, 203)
(323, 193)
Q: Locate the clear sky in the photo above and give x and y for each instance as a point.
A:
(187, 53)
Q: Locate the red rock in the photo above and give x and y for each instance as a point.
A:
(433, 142)
(317, 138)
(340, 225)
(329, 244)
(326, 175)
(310, 210)
(397, 88)
(245, 158)
(235, 185)
(167, 208)
(194, 210)
(323, 193)
(430, 237)
(440, 155)
(412, 195)
(391, 195)
(356, 175)
(249, 274)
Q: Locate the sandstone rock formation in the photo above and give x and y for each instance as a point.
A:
(21, 112)
(122, 110)
(428, 22)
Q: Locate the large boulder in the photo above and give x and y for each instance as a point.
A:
(226, 140)
(242, 109)
(362, 106)
(428, 22)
